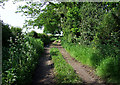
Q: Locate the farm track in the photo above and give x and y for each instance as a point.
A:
(44, 74)
(86, 73)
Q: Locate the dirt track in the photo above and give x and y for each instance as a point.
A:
(45, 75)
(86, 73)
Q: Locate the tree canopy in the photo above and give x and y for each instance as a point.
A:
(83, 22)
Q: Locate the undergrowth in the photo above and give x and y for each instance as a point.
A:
(20, 60)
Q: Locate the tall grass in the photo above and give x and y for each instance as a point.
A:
(104, 58)
(63, 71)
(85, 54)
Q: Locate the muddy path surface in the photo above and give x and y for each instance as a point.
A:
(44, 74)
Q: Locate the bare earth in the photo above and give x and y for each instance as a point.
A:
(45, 74)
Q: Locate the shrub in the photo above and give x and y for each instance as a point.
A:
(21, 60)
(109, 69)
(16, 31)
(37, 44)
(6, 34)
(33, 34)
(109, 30)
(45, 38)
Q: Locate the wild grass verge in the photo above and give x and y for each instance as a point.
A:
(104, 59)
(64, 73)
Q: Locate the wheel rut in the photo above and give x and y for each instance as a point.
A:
(44, 74)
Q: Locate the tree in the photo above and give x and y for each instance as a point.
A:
(6, 34)
(16, 30)
(39, 17)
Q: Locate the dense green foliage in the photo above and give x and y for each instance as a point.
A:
(91, 32)
(33, 34)
(20, 57)
(83, 23)
(64, 73)
(93, 23)
(6, 34)
(46, 17)
(44, 37)
(16, 31)
(50, 20)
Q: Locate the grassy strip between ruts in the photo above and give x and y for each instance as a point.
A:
(64, 73)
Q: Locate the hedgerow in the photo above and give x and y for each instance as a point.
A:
(20, 60)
